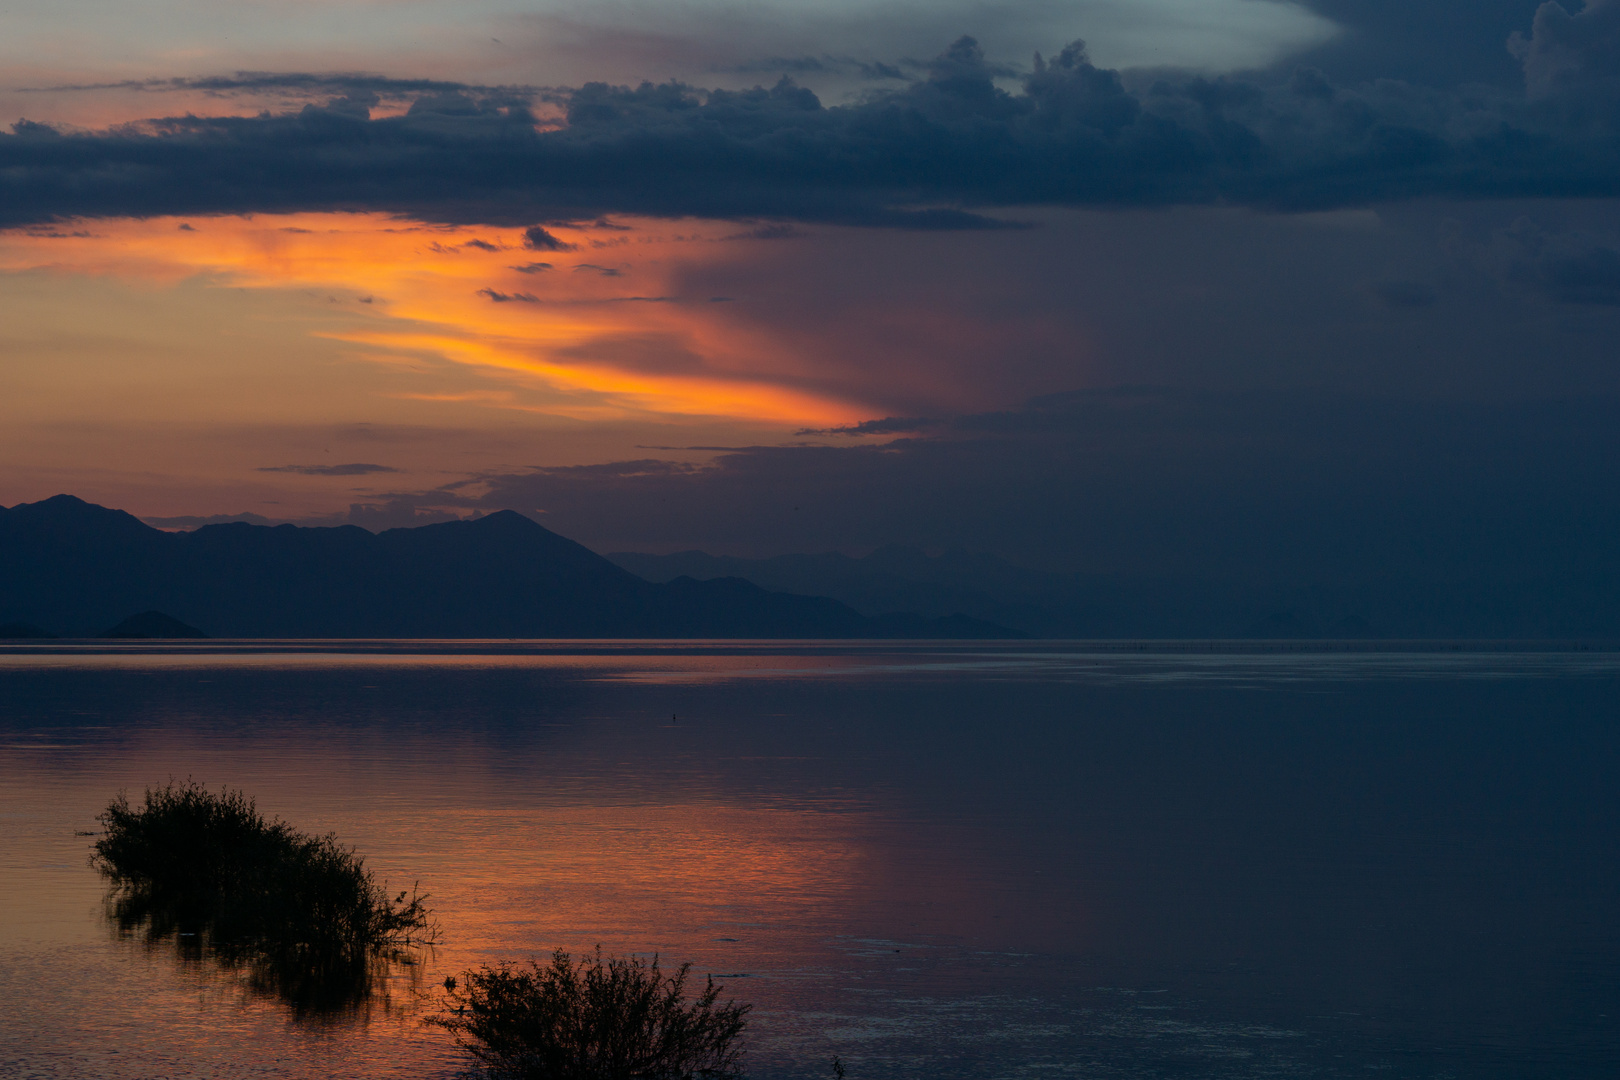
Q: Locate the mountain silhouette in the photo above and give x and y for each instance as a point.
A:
(153, 624)
(76, 568)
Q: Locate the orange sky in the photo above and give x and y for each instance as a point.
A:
(213, 365)
(594, 333)
(168, 362)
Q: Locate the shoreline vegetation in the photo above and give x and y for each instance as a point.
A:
(300, 914)
(600, 1018)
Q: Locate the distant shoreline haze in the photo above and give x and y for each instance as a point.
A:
(73, 569)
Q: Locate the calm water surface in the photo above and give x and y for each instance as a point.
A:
(930, 861)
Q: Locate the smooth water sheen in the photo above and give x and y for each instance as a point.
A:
(929, 861)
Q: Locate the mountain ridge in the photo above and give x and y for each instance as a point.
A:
(74, 568)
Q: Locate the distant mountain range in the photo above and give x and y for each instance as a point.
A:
(74, 569)
(1529, 601)
(1041, 603)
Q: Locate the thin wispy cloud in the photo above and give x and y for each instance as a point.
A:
(299, 81)
(352, 469)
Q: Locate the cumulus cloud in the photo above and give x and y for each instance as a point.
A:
(1432, 43)
(938, 153)
(818, 65)
(1572, 54)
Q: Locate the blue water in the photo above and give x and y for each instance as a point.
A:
(929, 861)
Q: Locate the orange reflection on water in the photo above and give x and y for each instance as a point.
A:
(678, 878)
(593, 325)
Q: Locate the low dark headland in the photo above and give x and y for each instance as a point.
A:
(301, 913)
(598, 1019)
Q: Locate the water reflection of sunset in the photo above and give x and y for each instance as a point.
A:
(592, 324)
(673, 876)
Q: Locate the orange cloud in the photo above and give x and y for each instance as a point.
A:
(590, 326)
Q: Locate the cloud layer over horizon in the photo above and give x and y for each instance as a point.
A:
(938, 152)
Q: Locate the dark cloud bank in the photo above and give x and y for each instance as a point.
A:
(928, 155)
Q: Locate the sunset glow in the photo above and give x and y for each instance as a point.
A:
(1031, 538)
(595, 330)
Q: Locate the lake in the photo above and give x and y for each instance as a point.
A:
(932, 860)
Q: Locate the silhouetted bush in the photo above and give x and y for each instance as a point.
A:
(598, 1019)
(301, 913)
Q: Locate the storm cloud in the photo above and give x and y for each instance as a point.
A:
(945, 151)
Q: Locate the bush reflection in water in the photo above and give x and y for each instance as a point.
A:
(290, 915)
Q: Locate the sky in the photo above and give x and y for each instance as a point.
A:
(1327, 290)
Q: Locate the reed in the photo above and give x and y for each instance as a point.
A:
(300, 911)
(595, 1019)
